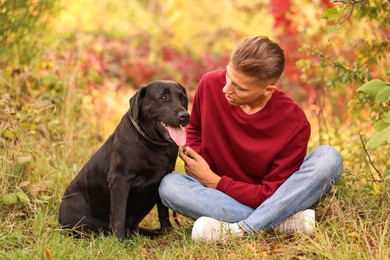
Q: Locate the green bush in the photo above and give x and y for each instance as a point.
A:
(24, 26)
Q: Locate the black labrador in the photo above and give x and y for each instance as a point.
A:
(118, 186)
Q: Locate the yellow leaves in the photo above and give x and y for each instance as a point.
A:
(252, 252)
(231, 256)
(353, 235)
(173, 10)
(24, 159)
(9, 134)
(377, 188)
(251, 248)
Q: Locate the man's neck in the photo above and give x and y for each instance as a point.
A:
(255, 107)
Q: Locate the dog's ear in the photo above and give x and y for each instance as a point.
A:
(185, 93)
(135, 102)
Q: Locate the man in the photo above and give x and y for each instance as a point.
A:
(245, 155)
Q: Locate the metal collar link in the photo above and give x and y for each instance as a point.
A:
(145, 135)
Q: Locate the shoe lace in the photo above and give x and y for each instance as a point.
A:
(291, 223)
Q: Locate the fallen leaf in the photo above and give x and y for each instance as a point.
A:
(251, 248)
(48, 252)
(23, 184)
(24, 159)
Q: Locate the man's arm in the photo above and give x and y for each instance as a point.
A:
(283, 166)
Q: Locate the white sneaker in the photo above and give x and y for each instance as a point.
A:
(209, 229)
(301, 222)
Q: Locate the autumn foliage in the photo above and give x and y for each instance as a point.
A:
(68, 68)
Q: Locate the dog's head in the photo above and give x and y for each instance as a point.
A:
(162, 105)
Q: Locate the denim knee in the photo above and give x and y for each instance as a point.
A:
(166, 188)
(329, 162)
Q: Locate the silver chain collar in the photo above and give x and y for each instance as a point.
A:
(145, 135)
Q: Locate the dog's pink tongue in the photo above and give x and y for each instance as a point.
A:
(177, 134)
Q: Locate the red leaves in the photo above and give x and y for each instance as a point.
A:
(287, 37)
(123, 64)
(279, 10)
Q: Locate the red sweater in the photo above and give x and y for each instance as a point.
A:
(254, 154)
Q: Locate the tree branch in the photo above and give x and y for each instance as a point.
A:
(370, 161)
(349, 15)
(348, 2)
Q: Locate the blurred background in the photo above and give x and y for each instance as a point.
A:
(69, 68)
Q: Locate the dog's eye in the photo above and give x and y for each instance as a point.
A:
(163, 98)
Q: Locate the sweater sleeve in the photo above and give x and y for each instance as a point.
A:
(283, 166)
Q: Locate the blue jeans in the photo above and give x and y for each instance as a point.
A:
(303, 190)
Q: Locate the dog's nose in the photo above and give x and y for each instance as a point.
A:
(183, 116)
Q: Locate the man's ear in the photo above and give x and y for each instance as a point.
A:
(136, 101)
(269, 90)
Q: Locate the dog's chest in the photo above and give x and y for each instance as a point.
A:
(149, 171)
(148, 178)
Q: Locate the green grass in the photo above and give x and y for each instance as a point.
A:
(43, 149)
(341, 234)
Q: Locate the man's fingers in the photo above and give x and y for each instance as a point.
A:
(189, 152)
(184, 155)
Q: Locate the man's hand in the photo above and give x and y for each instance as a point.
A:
(198, 168)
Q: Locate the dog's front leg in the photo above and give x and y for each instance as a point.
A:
(119, 191)
(163, 216)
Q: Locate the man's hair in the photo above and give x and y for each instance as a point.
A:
(259, 57)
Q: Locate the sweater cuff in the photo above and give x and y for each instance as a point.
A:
(224, 183)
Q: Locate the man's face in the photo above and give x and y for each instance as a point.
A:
(241, 89)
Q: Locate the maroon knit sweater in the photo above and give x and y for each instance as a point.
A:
(254, 154)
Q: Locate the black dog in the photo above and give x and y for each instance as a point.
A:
(118, 186)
